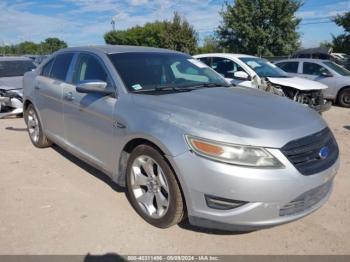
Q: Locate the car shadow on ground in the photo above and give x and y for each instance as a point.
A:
(109, 257)
(347, 127)
(91, 170)
(11, 128)
(185, 224)
(103, 177)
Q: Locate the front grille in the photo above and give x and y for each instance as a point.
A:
(304, 153)
(306, 200)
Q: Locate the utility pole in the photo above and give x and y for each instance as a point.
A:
(113, 22)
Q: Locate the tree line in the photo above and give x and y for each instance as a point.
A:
(45, 47)
(256, 27)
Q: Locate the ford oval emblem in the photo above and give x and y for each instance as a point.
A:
(324, 152)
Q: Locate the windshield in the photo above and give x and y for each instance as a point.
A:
(337, 68)
(142, 71)
(263, 68)
(15, 68)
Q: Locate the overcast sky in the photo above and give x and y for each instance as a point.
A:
(82, 22)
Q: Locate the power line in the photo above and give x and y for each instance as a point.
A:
(316, 23)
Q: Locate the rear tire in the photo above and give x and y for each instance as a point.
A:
(153, 189)
(344, 97)
(35, 129)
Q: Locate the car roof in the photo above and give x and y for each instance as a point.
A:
(302, 60)
(228, 55)
(14, 58)
(112, 49)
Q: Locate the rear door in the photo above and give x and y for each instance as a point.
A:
(48, 94)
(88, 117)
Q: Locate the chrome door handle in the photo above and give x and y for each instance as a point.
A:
(69, 96)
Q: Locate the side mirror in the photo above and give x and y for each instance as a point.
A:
(93, 86)
(241, 75)
(326, 74)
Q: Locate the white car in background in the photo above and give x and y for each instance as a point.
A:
(336, 77)
(255, 72)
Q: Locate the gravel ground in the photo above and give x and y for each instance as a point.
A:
(52, 203)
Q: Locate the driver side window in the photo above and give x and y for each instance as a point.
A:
(225, 67)
(89, 68)
(313, 69)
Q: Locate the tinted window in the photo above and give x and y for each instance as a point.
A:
(313, 69)
(47, 68)
(142, 71)
(225, 67)
(89, 68)
(205, 60)
(15, 68)
(60, 66)
(290, 67)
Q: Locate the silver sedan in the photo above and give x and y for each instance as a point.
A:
(183, 142)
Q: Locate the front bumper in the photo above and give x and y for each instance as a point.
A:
(267, 191)
(322, 108)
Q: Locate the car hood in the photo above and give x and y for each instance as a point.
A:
(235, 115)
(297, 83)
(14, 82)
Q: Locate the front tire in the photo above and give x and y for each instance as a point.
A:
(344, 97)
(153, 189)
(35, 129)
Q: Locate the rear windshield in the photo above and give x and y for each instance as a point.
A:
(15, 68)
(339, 69)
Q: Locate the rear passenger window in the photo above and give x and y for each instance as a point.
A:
(47, 68)
(60, 66)
(290, 67)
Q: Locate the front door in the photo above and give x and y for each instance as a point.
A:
(318, 73)
(226, 67)
(88, 117)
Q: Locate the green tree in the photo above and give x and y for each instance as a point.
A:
(260, 27)
(177, 34)
(151, 34)
(210, 45)
(180, 35)
(326, 44)
(51, 45)
(341, 43)
(27, 47)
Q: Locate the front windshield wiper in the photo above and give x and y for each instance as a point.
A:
(209, 85)
(163, 88)
(187, 88)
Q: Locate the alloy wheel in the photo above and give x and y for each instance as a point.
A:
(33, 126)
(150, 187)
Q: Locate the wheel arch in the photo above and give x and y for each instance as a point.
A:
(128, 147)
(340, 90)
(124, 157)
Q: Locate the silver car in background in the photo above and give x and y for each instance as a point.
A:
(181, 140)
(336, 77)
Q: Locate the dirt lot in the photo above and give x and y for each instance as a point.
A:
(51, 203)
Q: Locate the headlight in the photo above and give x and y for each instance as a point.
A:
(233, 154)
